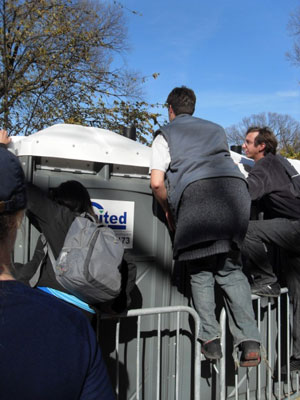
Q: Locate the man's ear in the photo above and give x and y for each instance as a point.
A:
(172, 115)
(262, 147)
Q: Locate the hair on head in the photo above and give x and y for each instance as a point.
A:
(73, 195)
(182, 100)
(9, 221)
(266, 136)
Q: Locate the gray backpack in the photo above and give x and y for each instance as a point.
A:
(88, 265)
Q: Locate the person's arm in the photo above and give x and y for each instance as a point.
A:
(160, 161)
(39, 204)
(157, 183)
(24, 272)
(257, 183)
(51, 218)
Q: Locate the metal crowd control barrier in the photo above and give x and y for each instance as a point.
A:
(261, 382)
(158, 312)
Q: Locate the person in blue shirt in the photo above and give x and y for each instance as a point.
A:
(48, 348)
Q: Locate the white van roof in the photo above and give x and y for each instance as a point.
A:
(77, 142)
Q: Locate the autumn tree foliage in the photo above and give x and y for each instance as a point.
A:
(285, 128)
(122, 114)
(58, 64)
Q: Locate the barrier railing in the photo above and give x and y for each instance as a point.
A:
(249, 383)
(195, 349)
(265, 381)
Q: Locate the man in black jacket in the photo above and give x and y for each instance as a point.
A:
(276, 195)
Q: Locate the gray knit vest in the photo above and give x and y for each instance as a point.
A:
(198, 150)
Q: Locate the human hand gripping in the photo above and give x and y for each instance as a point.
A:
(170, 220)
(4, 138)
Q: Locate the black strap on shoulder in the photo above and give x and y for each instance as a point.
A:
(292, 173)
(91, 217)
(36, 276)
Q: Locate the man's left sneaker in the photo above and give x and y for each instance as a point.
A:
(267, 290)
(212, 349)
(294, 366)
(250, 356)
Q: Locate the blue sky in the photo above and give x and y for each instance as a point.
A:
(231, 52)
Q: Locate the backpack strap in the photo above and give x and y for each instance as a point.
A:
(51, 256)
(89, 216)
(292, 173)
(290, 169)
(47, 252)
(36, 276)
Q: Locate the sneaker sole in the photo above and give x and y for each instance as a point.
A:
(252, 359)
(211, 357)
(250, 363)
(266, 295)
(294, 366)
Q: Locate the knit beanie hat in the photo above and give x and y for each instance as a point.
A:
(12, 183)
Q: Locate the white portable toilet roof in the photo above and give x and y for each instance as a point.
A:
(77, 142)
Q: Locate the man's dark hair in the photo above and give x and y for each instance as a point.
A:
(182, 100)
(266, 136)
(73, 195)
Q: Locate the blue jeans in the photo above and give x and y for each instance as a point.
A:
(226, 270)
